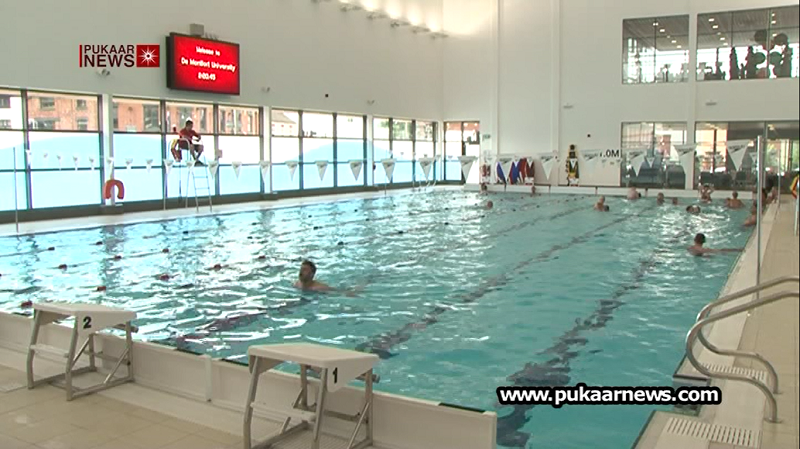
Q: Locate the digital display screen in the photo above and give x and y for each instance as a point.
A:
(202, 65)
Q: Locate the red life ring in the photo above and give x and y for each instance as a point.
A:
(108, 190)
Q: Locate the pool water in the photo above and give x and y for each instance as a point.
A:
(456, 299)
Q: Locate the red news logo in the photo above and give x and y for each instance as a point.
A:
(102, 56)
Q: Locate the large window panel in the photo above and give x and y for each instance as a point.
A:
(201, 114)
(136, 116)
(47, 146)
(655, 50)
(425, 131)
(244, 149)
(311, 179)
(249, 180)
(282, 180)
(7, 189)
(285, 123)
(749, 44)
(239, 121)
(783, 151)
(424, 149)
(317, 125)
(662, 168)
(345, 175)
(140, 185)
(714, 165)
(382, 150)
(380, 128)
(137, 147)
(285, 149)
(350, 127)
(402, 129)
(62, 112)
(10, 109)
(48, 188)
(349, 149)
(404, 154)
(317, 150)
(12, 147)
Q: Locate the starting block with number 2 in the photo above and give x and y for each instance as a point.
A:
(89, 319)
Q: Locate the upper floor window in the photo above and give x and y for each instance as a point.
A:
(752, 44)
(655, 50)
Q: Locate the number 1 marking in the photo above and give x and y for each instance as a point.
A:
(336, 375)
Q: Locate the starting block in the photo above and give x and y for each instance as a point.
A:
(89, 319)
(337, 367)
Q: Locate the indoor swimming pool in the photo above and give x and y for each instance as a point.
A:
(455, 299)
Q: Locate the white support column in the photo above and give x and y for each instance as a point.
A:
(107, 130)
(497, 12)
(266, 149)
(555, 83)
(368, 171)
(691, 117)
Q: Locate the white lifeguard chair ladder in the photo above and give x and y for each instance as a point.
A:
(337, 368)
(89, 319)
(192, 176)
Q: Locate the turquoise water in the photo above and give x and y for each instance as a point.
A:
(457, 300)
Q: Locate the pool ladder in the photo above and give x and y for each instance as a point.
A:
(705, 318)
(205, 185)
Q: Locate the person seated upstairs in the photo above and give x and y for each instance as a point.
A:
(734, 202)
(189, 139)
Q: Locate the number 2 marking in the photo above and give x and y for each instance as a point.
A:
(87, 322)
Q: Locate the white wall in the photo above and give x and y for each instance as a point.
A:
(300, 49)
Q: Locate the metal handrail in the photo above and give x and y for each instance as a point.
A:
(772, 373)
(698, 327)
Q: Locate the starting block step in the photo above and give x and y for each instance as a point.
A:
(52, 350)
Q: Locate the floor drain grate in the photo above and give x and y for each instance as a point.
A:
(714, 432)
(747, 372)
(12, 386)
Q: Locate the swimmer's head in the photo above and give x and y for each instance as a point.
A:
(693, 209)
(606, 208)
(675, 201)
(602, 200)
(735, 194)
(489, 204)
(307, 271)
(700, 239)
(189, 124)
(660, 198)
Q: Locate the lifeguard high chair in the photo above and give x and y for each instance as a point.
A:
(336, 368)
(192, 174)
(89, 319)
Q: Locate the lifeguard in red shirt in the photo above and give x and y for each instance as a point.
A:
(189, 139)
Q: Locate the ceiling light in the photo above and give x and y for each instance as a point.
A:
(715, 27)
(674, 41)
(711, 19)
(679, 46)
(774, 22)
(722, 38)
(662, 30)
(655, 24)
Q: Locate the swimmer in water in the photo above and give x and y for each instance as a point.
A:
(705, 194)
(601, 204)
(693, 209)
(734, 202)
(675, 201)
(699, 250)
(752, 220)
(306, 280)
(489, 205)
(533, 190)
(660, 199)
(633, 194)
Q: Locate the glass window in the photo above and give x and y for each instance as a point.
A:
(10, 109)
(7, 189)
(47, 188)
(317, 150)
(11, 146)
(82, 124)
(5, 101)
(285, 149)
(47, 146)
(138, 148)
(380, 128)
(240, 121)
(402, 129)
(662, 166)
(349, 127)
(348, 149)
(201, 114)
(248, 181)
(317, 125)
(312, 178)
(714, 166)
(425, 131)
(285, 123)
(655, 50)
(783, 151)
(133, 115)
(5, 124)
(48, 111)
(751, 44)
(244, 149)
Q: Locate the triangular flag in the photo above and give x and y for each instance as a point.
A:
(149, 163)
(637, 159)
(213, 168)
(515, 158)
(29, 153)
(322, 167)
(129, 163)
(649, 161)
(466, 164)
(44, 156)
(355, 167)
(686, 155)
(548, 162)
(505, 163)
(110, 163)
(237, 167)
(388, 167)
(292, 165)
(426, 163)
(58, 156)
(168, 165)
(91, 163)
(737, 150)
(75, 161)
(264, 168)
